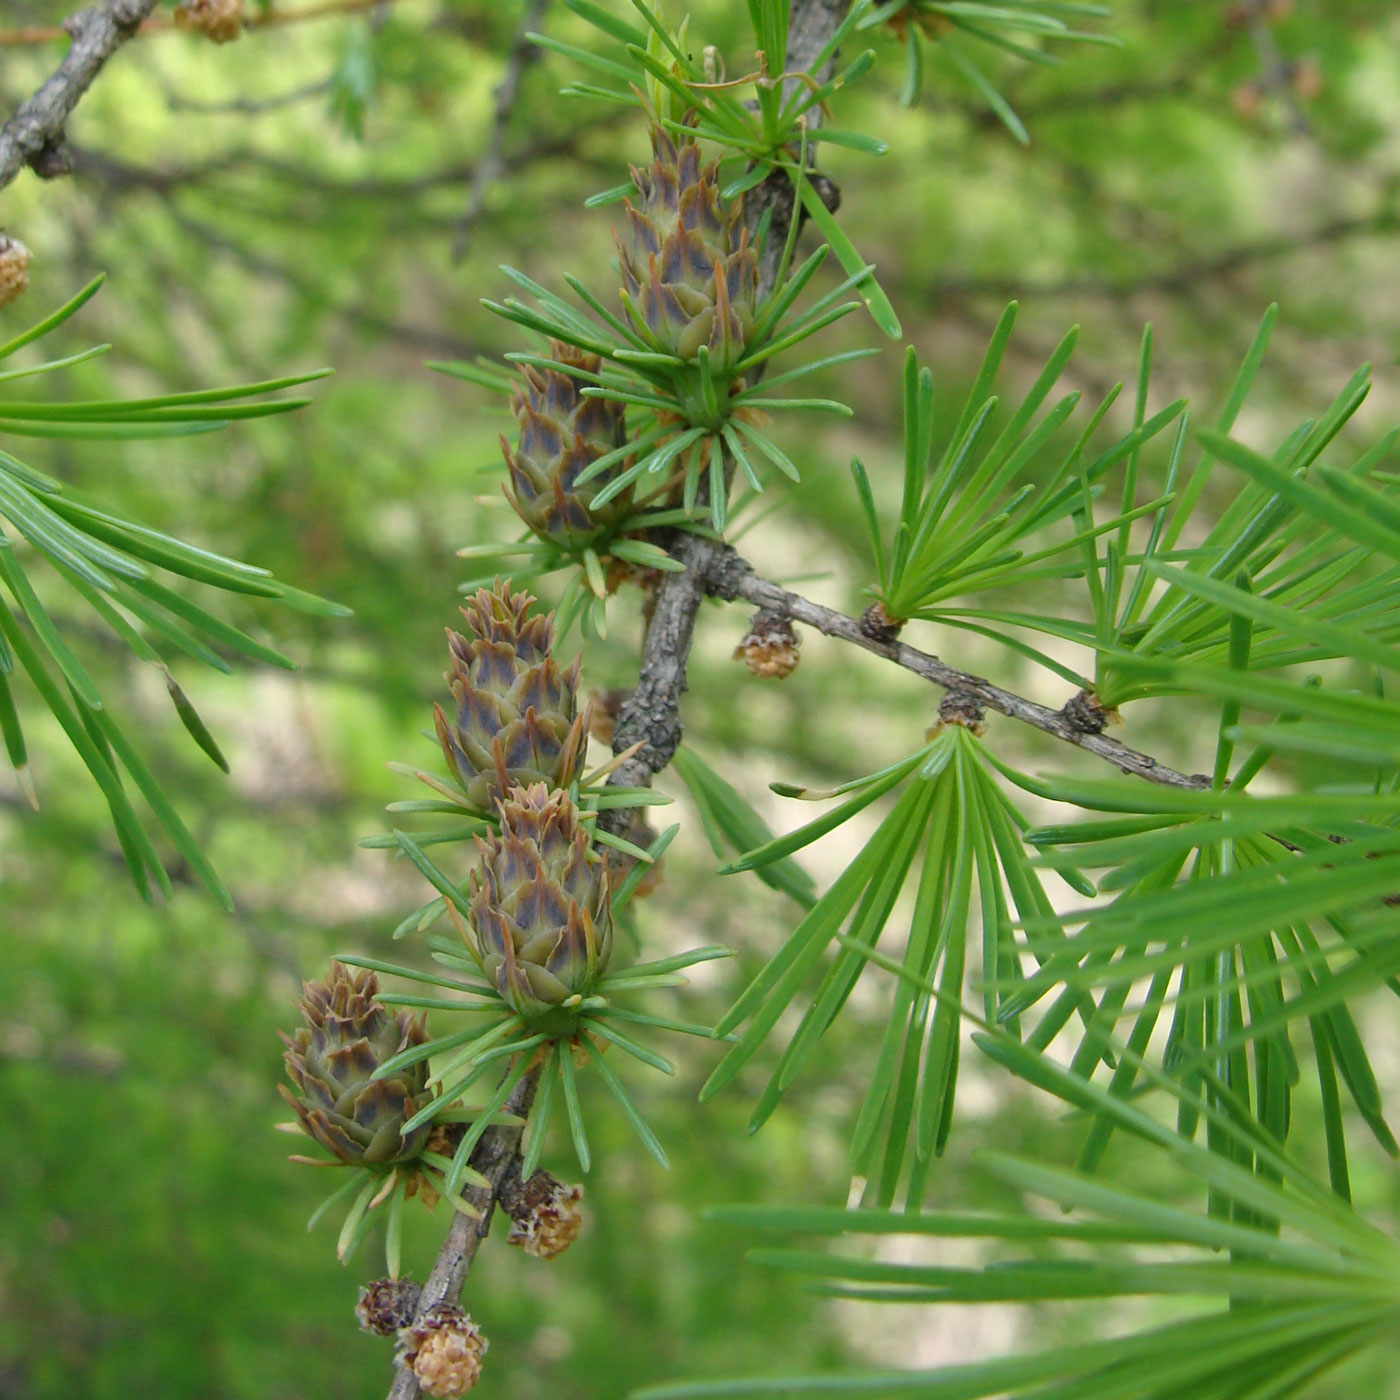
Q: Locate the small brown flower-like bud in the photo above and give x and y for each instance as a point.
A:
(878, 625)
(620, 572)
(957, 708)
(218, 20)
(544, 1214)
(639, 832)
(444, 1351)
(771, 647)
(387, 1304)
(1246, 99)
(1306, 78)
(14, 268)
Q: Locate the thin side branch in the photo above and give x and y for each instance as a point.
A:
(34, 36)
(491, 165)
(34, 135)
(729, 576)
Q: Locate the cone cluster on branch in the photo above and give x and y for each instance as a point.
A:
(332, 1060)
(689, 276)
(562, 433)
(516, 718)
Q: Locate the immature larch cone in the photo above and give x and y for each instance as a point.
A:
(444, 1351)
(14, 268)
(689, 272)
(331, 1060)
(541, 909)
(219, 20)
(562, 433)
(516, 719)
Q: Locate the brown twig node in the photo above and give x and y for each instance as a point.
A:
(959, 708)
(878, 625)
(1087, 714)
(770, 649)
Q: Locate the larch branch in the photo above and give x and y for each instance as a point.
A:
(496, 1157)
(491, 165)
(727, 575)
(651, 715)
(34, 36)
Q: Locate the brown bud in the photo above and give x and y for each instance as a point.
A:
(602, 716)
(218, 20)
(959, 708)
(14, 268)
(387, 1304)
(620, 573)
(544, 1214)
(771, 647)
(1306, 78)
(1246, 99)
(640, 833)
(878, 625)
(1088, 714)
(444, 1351)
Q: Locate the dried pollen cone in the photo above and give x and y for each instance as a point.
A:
(219, 20)
(387, 1304)
(562, 434)
(771, 647)
(516, 717)
(444, 1351)
(14, 268)
(541, 905)
(545, 1218)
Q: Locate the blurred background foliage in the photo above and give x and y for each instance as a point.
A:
(310, 195)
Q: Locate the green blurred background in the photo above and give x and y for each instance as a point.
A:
(293, 200)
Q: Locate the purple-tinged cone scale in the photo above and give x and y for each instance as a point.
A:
(515, 719)
(541, 911)
(561, 435)
(689, 275)
(347, 1036)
